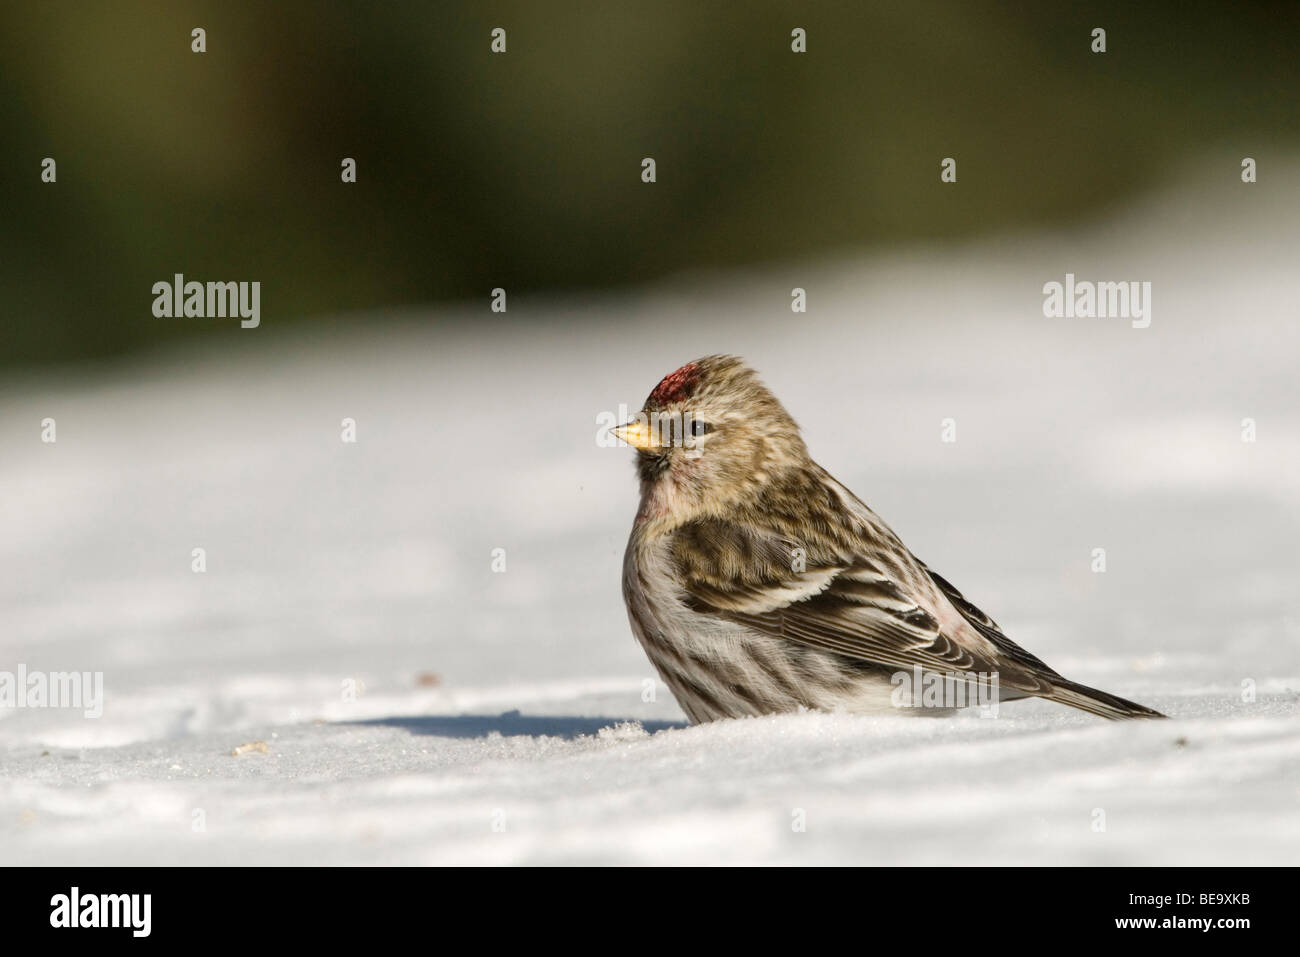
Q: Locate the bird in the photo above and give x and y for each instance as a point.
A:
(758, 584)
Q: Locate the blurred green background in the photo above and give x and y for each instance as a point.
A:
(522, 170)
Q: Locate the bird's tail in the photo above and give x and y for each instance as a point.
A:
(1097, 702)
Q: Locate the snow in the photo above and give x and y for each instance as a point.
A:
(417, 707)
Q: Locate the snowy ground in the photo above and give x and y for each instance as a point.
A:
(499, 717)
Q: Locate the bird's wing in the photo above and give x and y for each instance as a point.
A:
(987, 627)
(843, 603)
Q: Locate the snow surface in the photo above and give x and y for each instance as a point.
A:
(499, 718)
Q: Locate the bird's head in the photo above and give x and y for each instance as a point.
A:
(708, 437)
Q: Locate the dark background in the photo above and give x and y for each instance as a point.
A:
(522, 170)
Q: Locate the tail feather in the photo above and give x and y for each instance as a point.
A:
(1097, 702)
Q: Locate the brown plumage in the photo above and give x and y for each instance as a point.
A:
(757, 583)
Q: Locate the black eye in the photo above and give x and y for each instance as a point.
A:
(700, 428)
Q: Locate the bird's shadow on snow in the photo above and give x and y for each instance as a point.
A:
(510, 724)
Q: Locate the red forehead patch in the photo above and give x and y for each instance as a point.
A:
(676, 385)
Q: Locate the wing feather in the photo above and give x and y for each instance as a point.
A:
(821, 598)
(849, 586)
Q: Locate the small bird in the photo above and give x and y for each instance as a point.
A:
(758, 584)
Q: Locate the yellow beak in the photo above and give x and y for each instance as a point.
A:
(638, 434)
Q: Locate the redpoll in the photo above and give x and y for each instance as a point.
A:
(757, 583)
